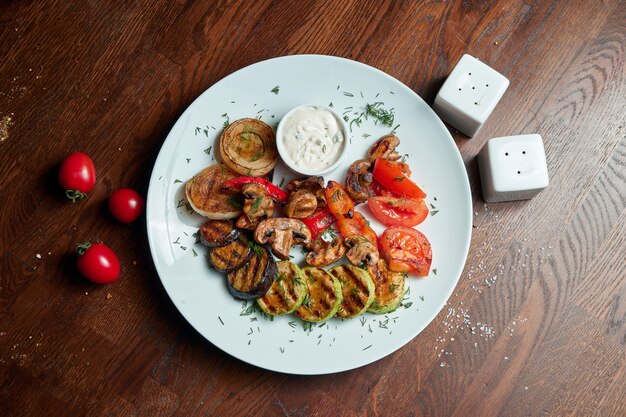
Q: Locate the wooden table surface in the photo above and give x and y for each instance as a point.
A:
(111, 78)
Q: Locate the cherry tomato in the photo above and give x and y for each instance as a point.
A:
(97, 262)
(126, 205)
(393, 211)
(395, 176)
(77, 176)
(406, 250)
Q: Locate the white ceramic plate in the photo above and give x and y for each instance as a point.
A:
(284, 344)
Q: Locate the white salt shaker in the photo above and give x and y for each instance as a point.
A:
(513, 168)
(469, 95)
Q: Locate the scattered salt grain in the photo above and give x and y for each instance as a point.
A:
(38, 256)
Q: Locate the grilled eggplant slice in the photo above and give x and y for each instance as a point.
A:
(216, 233)
(205, 195)
(357, 288)
(253, 279)
(390, 288)
(287, 291)
(232, 256)
(323, 298)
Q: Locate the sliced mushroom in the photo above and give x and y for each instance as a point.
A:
(245, 223)
(257, 203)
(324, 253)
(359, 180)
(361, 251)
(281, 233)
(384, 147)
(312, 184)
(300, 204)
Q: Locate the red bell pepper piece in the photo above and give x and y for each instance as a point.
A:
(236, 184)
(319, 221)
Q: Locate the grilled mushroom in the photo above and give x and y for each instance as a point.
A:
(257, 203)
(324, 253)
(359, 180)
(243, 222)
(361, 251)
(301, 204)
(313, 184)
(384, 147)
(281, 233)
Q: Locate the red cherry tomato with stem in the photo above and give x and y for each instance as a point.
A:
(126, 205)
(77, 176)
(97, 262)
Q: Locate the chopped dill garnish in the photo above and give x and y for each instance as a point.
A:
(256, 248)
(379, 114)
(275, 90)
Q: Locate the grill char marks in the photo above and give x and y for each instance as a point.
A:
(390, 288)
(357, 288)
(254, 278)
(324, 295)
(232, 256)
(218, 233)
(287, 291)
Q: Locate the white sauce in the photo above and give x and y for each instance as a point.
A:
(312, 138)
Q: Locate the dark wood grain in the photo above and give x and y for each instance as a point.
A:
(111, 78)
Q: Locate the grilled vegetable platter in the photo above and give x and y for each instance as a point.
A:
(344, 264)
(252, 225)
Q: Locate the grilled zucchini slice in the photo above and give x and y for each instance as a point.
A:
(287, 291)
(390, 288)
(323, 298)
(357, 287)
(252, 280)
(232, 256)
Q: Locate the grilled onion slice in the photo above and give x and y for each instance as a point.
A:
(204, 193)
(248, 147)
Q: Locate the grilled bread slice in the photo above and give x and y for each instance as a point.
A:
(287, 291)
(232, 256)
(205, 195)
(323, 298)
(218, 233)
(254, 278)
(390, 287)
(357, 288)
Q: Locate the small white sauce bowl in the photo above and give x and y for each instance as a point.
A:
(290, 163)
